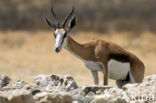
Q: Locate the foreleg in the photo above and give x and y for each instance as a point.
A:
(95, 77)
(105, 73)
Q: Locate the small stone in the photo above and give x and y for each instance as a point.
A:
(98, 90)
(69, 83)
(41, 80)
(4, 80)
(55, 77)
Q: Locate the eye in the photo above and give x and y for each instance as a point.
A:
(64, 35)
(54, 35)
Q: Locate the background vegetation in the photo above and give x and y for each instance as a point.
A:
(95, 15)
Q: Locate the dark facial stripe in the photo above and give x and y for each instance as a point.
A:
(63, 39)
(54, 35)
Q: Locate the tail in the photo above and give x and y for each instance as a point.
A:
(138, 71)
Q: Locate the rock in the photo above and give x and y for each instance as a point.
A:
(105, 94)
(19, 85)
(42, 80)
(75, 102)
(57, 89)
(50, 83)
(151, 80)
(16, 96)
(145, 92)
(4, 80)
(45, 97)
(69, 83)
(112, 95)
(18, 92)
(94, 90)
(55, 83)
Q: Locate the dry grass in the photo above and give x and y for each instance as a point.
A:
(24, 56)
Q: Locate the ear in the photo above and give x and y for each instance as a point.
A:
(50, 24)
(72, 23)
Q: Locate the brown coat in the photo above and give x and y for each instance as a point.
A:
(102, 51)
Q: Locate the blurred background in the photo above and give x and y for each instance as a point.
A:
(96, 15)
(26, 41)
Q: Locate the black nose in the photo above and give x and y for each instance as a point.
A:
(57, 49)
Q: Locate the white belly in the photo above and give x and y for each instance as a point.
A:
(118, 70)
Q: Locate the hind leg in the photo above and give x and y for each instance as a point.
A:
(129, 79)
(121, 83)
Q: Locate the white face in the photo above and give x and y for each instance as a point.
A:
(60, 35)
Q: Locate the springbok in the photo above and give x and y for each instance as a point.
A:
(98, 55)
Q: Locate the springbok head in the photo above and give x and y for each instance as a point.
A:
(60, 32)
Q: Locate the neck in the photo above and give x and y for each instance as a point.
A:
(75, 48)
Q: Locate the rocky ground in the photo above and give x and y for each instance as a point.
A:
(58, 89)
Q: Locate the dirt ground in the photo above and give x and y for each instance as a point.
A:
(24, 55)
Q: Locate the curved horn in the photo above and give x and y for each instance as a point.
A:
(66, 19)
(49, 23)
(57, 21)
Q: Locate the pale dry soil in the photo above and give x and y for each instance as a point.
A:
(23, 55)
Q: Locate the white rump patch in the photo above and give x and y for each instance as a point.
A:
(118, 70)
